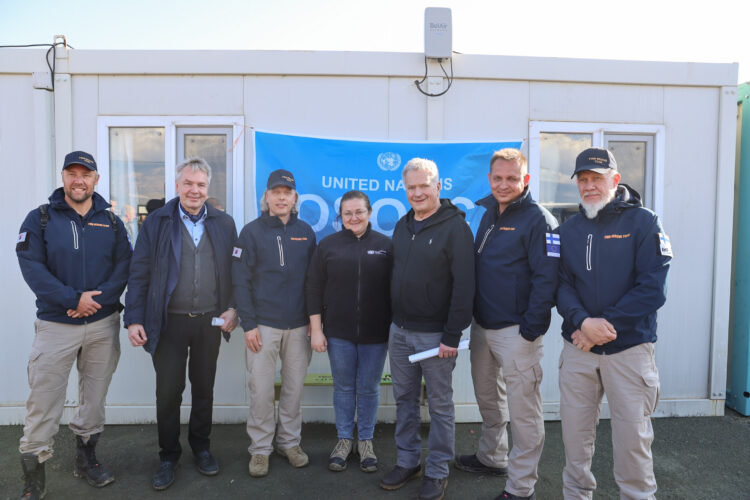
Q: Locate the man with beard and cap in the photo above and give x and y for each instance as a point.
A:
(181, 279)
(74, 254)
(270, 265)
(613, 271)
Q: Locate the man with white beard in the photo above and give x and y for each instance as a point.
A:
(613, 270)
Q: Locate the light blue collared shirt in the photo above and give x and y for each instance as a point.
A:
(194, 228)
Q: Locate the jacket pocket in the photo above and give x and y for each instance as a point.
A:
(75, 234)
(652, 392)
(281, 251)
(32, 365)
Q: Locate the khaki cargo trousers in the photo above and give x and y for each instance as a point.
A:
(631, 382)
(506, 373)
(293, 347)
(95, 347)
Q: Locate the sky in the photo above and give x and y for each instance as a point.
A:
(652, 30)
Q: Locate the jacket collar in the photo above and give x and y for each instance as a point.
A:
(274, 221)
(446, 210)
(490, 203)
(350, 234)
(625, 197)
(57, 201)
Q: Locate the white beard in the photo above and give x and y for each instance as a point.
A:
(592, 209)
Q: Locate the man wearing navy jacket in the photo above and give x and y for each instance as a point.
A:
(516, 279)
(180, 279)
(270, 265)
(613, 271)
(74, 255)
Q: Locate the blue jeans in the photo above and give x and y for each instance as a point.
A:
(356, 370)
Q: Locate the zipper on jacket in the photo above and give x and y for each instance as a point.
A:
(75, 234)
(359, 283)
(281, 251)
(588, 252)
(484, 240)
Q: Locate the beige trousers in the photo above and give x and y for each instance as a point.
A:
(631, 381)
(293, 347)
(96, 348)
(506, 373)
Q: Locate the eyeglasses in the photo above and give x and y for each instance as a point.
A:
(350, 215)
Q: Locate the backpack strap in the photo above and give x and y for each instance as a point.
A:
(43, 217)
(112, 219)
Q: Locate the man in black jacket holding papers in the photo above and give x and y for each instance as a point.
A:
(432, 290)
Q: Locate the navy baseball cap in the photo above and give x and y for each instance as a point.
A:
(281, 177)
(597, 160)
(80, 158)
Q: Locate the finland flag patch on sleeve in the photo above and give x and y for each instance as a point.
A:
(553, 245)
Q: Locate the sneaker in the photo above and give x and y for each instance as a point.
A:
(470, 463)
(368, 462)
(339, 455)
(433, 488)
(399, 476)
(258, 466)
(295, 455)
(510, 496)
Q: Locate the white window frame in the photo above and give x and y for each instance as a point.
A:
(170, 125)
(598, 131)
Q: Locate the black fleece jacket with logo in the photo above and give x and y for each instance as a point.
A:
(348, 284)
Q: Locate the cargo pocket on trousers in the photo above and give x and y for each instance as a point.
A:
(651, 380)
(31, 367)
(531, 373)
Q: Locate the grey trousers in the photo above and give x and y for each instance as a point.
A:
(293, 347)
(407, 386)
(96, 349)
(631, 381)
(507, 376)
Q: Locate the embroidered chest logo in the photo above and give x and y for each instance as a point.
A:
(616, 236)
(298, 239)
(96, 224)
(506, 228)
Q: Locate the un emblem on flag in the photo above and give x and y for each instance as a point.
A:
(389, 161)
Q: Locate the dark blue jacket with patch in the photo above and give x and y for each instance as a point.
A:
(78, 254)
(614, 267)
(156, 267)
(516, 275)
(270, 265)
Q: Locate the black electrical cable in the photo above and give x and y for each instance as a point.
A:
(418, 83)
(52, 48)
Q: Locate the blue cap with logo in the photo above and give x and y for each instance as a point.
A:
(597, 160)
(281, 177)
(80, 158)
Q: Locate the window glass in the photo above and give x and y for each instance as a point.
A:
(211, 144)
(558, 151)
(632, 157)
(136, 158)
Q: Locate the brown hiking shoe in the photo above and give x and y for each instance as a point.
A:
(295, 455)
